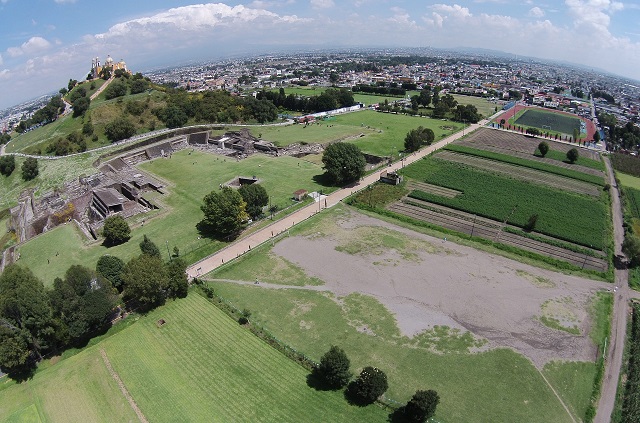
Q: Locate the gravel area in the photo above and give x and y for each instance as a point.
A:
(493, 297)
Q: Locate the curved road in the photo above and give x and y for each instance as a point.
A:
(265, 234)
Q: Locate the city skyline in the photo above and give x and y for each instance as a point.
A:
(43, 46)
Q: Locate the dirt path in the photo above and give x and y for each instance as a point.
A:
(123, 388)
(244, 245)
(613, 359)
(558, 396)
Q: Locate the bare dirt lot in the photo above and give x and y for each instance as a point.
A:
(430, 281)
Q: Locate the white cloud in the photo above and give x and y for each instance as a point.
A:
(1, 61)
(322, 4)
(265, 4)
(64, 1)
(32, 46)
(400, 16)
(456, 11)
(536, 12)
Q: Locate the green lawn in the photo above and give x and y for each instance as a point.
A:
(628, 180)
(78, 389)
(366, 99)
(176, 222)
(570, 217)
(200, 365)
(484, 106)
(312, 321)
(318, 133)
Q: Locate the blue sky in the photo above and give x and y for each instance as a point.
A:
(43, 43)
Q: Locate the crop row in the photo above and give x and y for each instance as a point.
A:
(570, 217)
(556, 167)
(632, 197)
(523, 173)
(481, 228)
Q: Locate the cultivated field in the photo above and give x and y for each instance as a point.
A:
(190, 176)
(433, 314)
(200, 365)
(628, 180)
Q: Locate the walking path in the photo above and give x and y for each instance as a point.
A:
(122, 387)
(265, 234)
(622, 296)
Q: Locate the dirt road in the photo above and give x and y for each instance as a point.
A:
(244, 245)
(613, 360)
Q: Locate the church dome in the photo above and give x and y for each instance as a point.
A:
(109, 60)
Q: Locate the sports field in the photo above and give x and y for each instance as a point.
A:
(200, 365)
(189, 177)
(548, 121)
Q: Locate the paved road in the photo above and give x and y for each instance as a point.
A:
(613, 359)
(267, 233)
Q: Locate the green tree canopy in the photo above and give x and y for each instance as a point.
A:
(343, 163)
(111, 268)
(333, 371)
(80, 106)
(25, 318)
(543, 148)
(30, 168)
(7, 165)
(421, 407)
(83, 302)
(370, 384)
(149, 248)
(119, 129)
(572, 155)
(178, 284)
(116, 88)
(418, 137)
(631, 248)
(256, 197)
(116, 230)
(145, 282)
(224, 211)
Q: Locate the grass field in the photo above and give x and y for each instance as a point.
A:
(200, 365)
(628, 180)
(566, 216)
(366, 99)
(312, 321)
(548, 121)
(176, 222)
(485, 107)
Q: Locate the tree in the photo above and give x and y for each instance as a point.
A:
(80, 106)
(178, 284)
(117, 88)
(576, 134)
(631, 248)
(543, 148)
(224, 211)
(7, 165)
(370, 384)
(256, 198)
(175, 117)
(343, 163)
(531, 223)
(111, 268)
(30, 168)
(83, 302)
(596, 137)
(145, 282)
(26, 327)
(116, 230)
(416, 138)
(72, 83)
(119, 129)
(333, 371)
(138, 85)
(421, 406)
(572, 155)
(149, 248)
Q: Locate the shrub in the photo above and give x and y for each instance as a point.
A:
(543, 147)
(572, 155)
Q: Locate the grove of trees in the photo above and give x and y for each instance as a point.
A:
(417, 138)
(256, 198)
(343, 163)
(330, 99)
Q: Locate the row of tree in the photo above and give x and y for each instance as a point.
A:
(330, 99)
(333, 373)
(36, 321)
(46, 114)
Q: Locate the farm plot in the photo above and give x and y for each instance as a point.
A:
(514, 144)
(491, 230)
(549, 120)
(574, 218)
(522, 173)
(433, 189)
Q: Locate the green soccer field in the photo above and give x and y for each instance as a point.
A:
(549, 121)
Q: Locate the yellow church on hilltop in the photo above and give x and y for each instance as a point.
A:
(96, 67)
